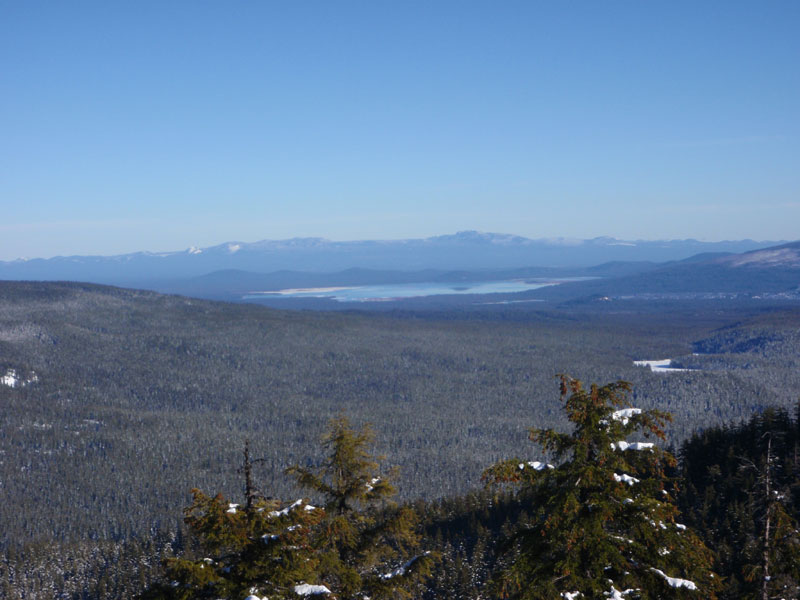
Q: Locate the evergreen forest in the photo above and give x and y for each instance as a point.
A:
(115, 404)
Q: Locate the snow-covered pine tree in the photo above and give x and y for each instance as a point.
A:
(605, 523)
(367, 546)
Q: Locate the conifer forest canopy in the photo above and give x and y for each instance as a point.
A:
(116, 403)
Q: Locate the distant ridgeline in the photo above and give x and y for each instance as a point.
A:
(447, 271)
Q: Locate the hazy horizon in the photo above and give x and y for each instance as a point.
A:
(555, 240)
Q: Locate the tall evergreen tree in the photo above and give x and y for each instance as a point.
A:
(604, 523)
(258, 549)
(367, 545)
(741, 493)
(777, 571)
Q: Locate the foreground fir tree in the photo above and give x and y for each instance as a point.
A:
(367, 546)
(257, 550)
(604, 522)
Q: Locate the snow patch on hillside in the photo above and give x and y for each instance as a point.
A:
(778, 257)
(660, 366)
(13, 379)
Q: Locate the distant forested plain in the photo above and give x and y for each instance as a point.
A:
(134, 398)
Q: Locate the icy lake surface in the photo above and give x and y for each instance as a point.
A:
(377, 293)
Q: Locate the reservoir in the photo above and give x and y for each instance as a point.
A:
(394, 291)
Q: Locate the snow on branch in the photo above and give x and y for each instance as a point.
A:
(623, 445)
(535, 465)
(282, 513)
(402, 569)
(625, 414)
(675, 581)
(625, 479)
(306, 589)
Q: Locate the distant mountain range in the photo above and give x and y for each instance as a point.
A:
(765, 273)
(465, 251)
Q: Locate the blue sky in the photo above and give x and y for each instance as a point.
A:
(162, 125)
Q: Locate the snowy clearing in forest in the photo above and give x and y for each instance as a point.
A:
(12, 379)
(660, 366)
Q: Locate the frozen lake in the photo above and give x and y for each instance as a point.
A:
(386, 292)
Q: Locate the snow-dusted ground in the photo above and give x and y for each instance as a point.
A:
(12, 379)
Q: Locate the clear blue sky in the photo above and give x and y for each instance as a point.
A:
(160, 125)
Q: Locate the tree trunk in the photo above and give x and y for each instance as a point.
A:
(766, 541)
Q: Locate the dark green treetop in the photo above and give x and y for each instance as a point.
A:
(258, 549)
(367, 545)
(604, 521)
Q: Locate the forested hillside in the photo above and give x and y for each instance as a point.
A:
(742, 489)
(123, 401)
